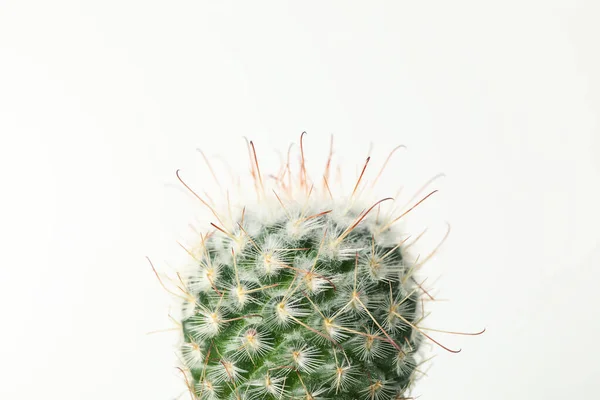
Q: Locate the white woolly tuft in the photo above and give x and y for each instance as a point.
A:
(379, 390)
(192, 354)
(304, 357)
(371, 345)
(225, 371)
(268, 385)
(284, 313)
(205, 276)
(207, 390)
(207, 323)
(250, 344)
(341, 377)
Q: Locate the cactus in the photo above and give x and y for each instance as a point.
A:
(301, 295)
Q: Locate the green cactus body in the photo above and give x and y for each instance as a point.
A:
(300, 297)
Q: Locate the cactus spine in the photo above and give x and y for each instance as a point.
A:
(300, 296)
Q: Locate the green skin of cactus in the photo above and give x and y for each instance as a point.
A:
(370, 353)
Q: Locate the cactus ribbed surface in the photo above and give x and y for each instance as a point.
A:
(300, 296)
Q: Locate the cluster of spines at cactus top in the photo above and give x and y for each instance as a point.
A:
(300, 297)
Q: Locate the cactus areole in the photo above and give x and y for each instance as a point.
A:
(303, 294)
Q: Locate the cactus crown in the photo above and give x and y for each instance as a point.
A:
(300, 296)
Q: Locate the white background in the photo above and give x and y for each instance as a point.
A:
(100, 102)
